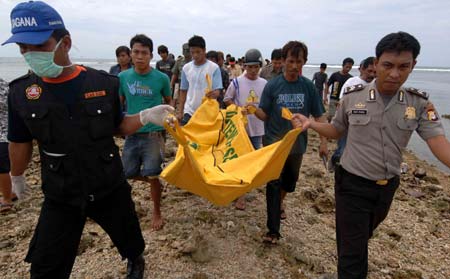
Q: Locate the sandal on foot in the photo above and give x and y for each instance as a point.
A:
(283, 214)
(6, 207)
(271, 238)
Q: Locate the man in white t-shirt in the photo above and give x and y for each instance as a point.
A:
(193, 80)
(366, 76)
(247, 90)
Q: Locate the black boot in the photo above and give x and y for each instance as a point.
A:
(135, 268)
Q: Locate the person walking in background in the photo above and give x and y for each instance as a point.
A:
(166, 63)
(319, 79)
(123, 60)
(275, 67)
(367, 74)
(336, 81)
(379, 119)
(225, 77)
(234, 69)
(247, 90)
(176, 73)
(144, 87)
(72, 112)
(213, 56)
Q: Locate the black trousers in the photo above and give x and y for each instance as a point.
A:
(361, 205)
(54, 245)
(287, 181)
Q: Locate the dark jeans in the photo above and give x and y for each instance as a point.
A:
(186, 118)
(288, 179)
(361, 205)
(54, 245)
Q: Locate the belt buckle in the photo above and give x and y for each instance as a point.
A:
(382, 182)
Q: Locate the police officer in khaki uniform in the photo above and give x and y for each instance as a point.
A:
(72, 112)
(379, 119)
(176, 73)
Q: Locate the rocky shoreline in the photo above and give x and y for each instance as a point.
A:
(202, 241)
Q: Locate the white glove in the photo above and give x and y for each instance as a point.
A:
(155, 115)
(20, 187)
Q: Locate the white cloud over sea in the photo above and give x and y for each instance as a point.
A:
(332, 30)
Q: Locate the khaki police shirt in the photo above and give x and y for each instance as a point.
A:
(377, 134)
(178, 66)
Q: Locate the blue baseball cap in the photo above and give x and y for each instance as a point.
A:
(33, 22)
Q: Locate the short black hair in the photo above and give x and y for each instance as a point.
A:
(276, 54)
(163, 49)
(212, 54)
(348, 60)
(121, 49)
(219, 54)
(58, 34)
(295, 48)
(197, 41)
(398, 42)
(368, 61)
(143, 40)
(323, 65)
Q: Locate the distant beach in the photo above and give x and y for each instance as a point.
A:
(434, 80)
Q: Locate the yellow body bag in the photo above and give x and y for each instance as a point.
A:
(215, 158)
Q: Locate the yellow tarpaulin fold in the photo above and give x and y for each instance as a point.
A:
(215, 158)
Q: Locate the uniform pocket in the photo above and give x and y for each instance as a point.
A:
(406, 128)
(407, 124)
(358, 120)
(52, 175)
(112, 167)
(101, 122)
(37, 119)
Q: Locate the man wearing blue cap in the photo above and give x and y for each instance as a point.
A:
(72, 111)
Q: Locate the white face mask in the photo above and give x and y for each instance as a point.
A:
(42, 64)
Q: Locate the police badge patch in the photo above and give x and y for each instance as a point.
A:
(33, 92)
(431, 112)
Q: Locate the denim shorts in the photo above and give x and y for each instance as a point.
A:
(256, 142)
(143, 154)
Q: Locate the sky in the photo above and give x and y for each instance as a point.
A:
(332, 30)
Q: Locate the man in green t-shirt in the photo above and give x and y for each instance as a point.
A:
(144, 87)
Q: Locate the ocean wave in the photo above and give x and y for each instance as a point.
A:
(419, 69)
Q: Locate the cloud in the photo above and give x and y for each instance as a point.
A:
(332, 30)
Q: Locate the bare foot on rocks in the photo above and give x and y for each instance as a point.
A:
(240, 203)
(157, 221)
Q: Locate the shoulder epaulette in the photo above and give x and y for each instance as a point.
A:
(417, 92)
(25, 76)
(353, 88)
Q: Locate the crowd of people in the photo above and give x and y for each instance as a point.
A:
(73, 113)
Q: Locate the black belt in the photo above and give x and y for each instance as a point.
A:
(381, 182)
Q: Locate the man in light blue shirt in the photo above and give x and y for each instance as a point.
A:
(193, 80)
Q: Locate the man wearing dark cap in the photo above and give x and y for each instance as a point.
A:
(72, 112)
